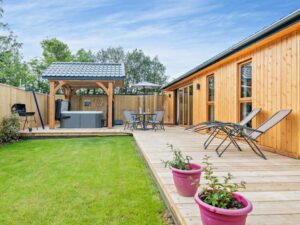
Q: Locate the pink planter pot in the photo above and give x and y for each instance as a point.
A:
(211, 215)
(187, 181)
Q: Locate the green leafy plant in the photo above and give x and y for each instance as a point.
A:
(9, 129)
(219, 194)
(179, 161)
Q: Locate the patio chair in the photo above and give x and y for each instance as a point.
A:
(151, 119)
(251, 135)
(217, 127)
(136, 118)
(130, 120)
(157, 121)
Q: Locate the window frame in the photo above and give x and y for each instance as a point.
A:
(209, 103)
(242, 100)
(183, 113)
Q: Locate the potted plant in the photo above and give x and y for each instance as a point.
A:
(219, 203)
(186, 175)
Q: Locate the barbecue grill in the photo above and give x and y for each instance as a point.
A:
(20, 109)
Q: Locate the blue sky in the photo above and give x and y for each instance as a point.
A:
(182, 33)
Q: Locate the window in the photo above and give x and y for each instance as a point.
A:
(186, 102)
(245, 90)
(211, 97)
(191, 105)
(179, 106)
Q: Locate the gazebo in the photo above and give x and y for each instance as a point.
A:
(71, 76)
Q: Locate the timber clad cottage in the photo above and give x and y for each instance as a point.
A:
(262, 71)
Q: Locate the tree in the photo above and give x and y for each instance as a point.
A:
(138, 66)
(14, 70)
(111, 55)
(36, 68)
(55, 51)
(84, 56)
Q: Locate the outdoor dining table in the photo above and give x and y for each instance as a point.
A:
(144, 115)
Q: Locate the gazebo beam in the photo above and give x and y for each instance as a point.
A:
(60, 84)
(101, 85)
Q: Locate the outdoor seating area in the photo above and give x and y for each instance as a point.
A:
(144, 121)
(233, 131)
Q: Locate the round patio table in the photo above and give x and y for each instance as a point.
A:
(144, 115)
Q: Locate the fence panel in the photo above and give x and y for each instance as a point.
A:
(10, 95)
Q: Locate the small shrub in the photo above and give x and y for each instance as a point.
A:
(220, 194)
(179, 161)
(9, 129)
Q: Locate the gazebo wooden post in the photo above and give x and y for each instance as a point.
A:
(110, 94)
(52, 105)
(110, 104)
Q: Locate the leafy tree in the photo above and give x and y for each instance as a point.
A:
(84, 56)
(37, 67)
(139, 67)
(13, 70)
(111, 55)
(55, 51)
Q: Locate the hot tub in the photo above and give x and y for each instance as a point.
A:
(81, 119)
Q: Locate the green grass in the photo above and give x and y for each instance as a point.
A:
(77, 181)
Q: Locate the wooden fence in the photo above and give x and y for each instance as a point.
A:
(10, 95)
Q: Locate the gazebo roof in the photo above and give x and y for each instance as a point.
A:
(84, 71)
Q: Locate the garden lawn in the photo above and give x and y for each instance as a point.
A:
(100, 180)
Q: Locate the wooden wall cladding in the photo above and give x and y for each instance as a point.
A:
(276, 85)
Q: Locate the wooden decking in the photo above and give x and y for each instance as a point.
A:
(273, 185)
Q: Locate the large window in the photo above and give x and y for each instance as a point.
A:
(191, 105)
(179, 106)
(245, 89)
(186, 102)
(211, 97)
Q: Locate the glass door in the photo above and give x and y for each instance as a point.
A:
(185, 106)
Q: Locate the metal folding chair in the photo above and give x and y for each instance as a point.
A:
(251, 135)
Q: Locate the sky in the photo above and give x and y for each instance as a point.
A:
(182, 33)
